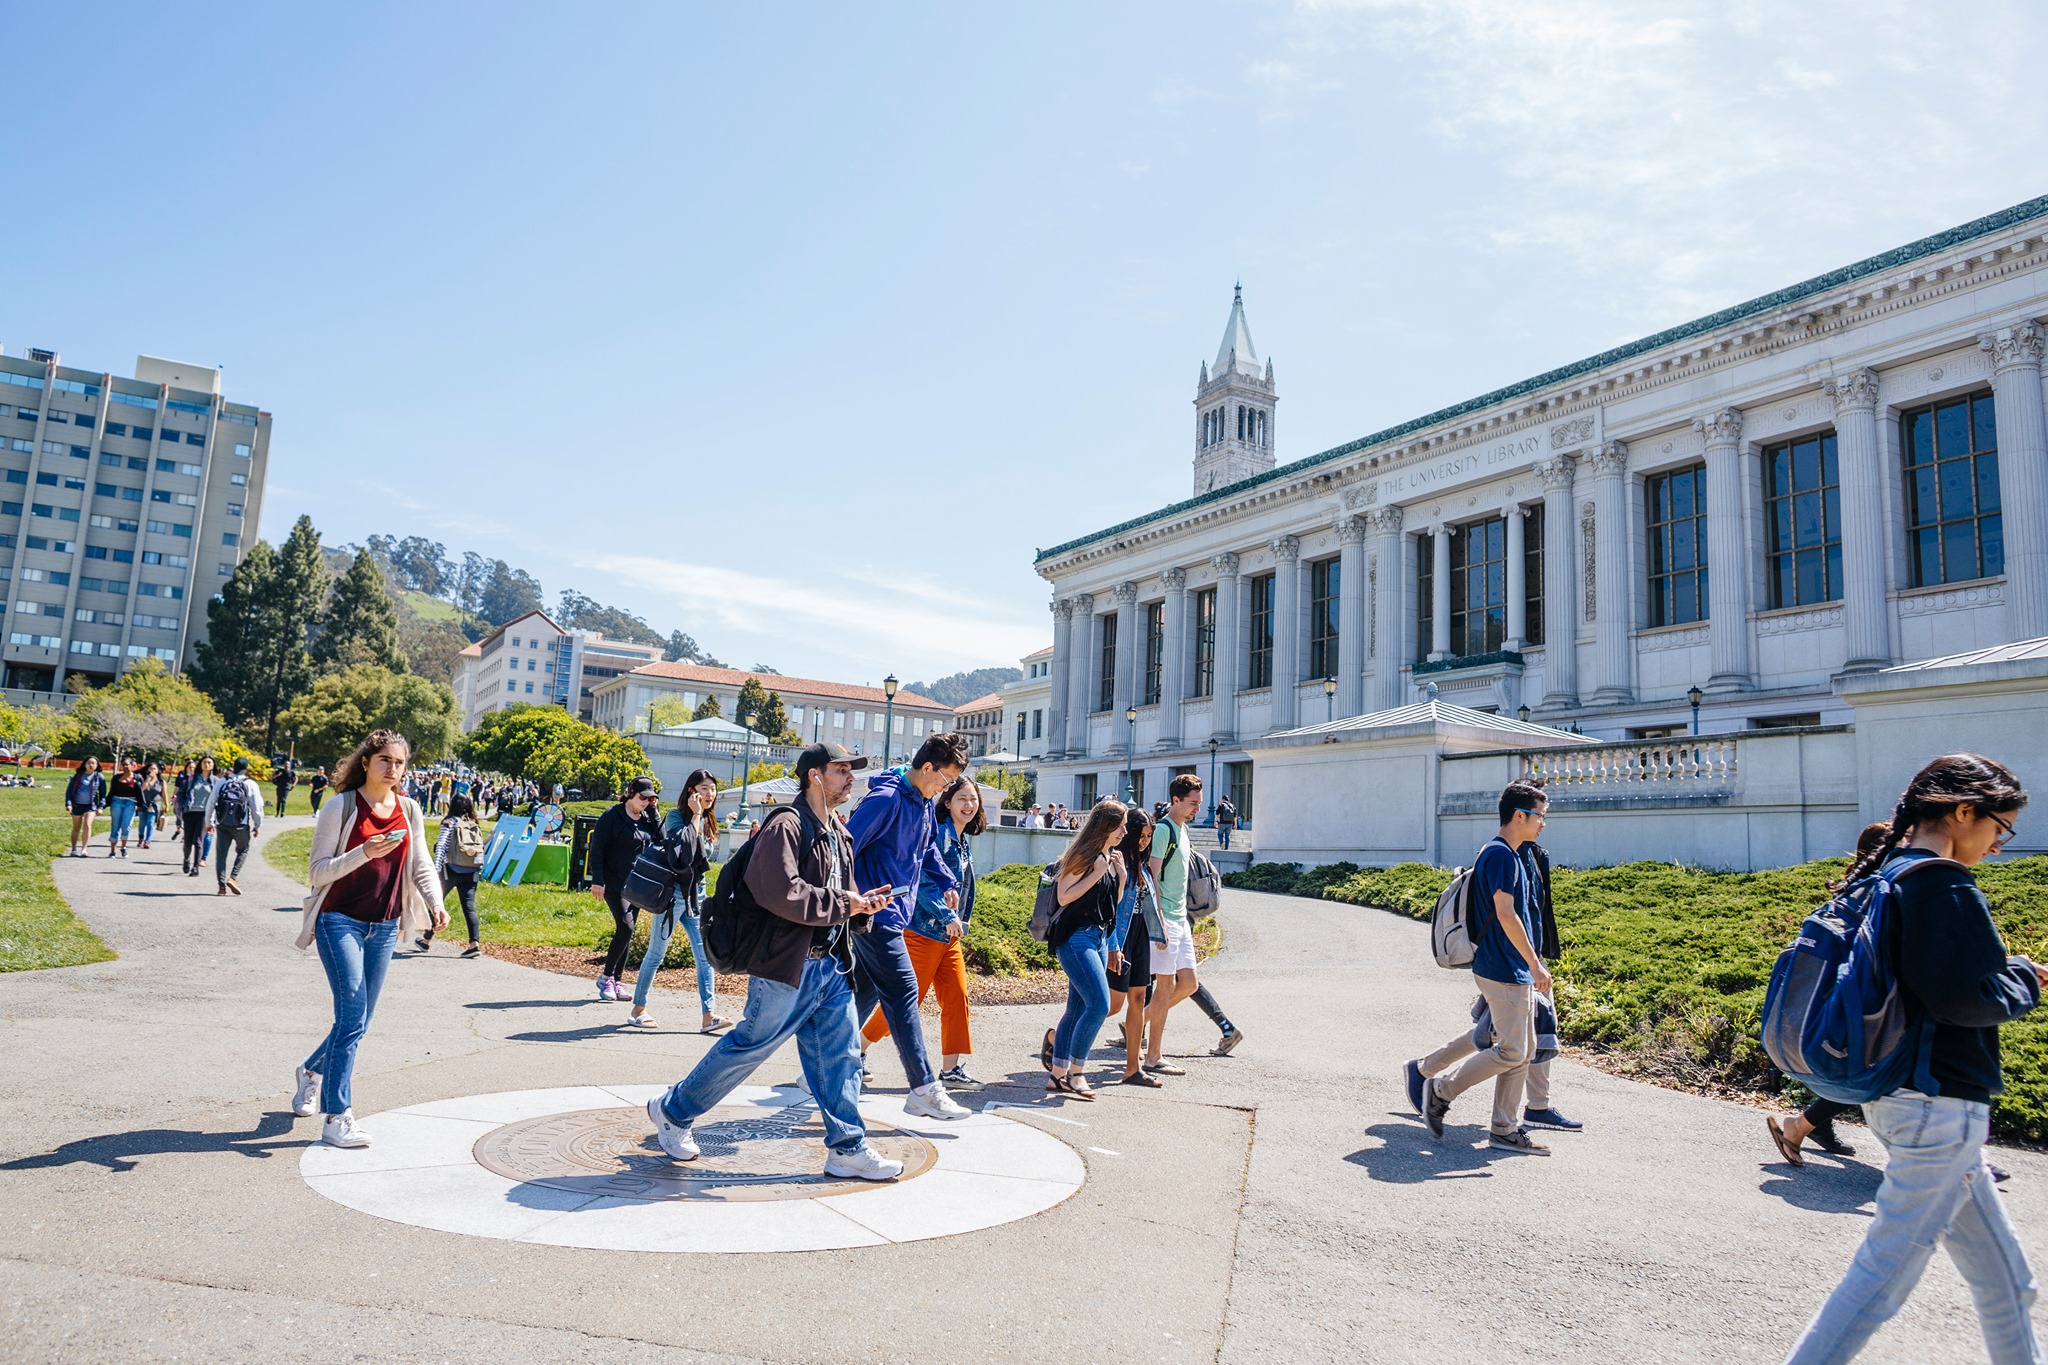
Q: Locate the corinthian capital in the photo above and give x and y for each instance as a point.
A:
(1557, 473)
(1610, 459)
(1126, 594)
(1063, 608)
(1084, 603)
(1723, 428)
(1857, 389)
(1351, 530)
(1385, 521)
(1285, 548)
(1174, 580)
(2021, 345)
(1224, 564)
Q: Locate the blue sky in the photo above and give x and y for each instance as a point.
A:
(801, 327)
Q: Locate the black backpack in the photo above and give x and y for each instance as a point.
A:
(732, 921)
(651, 883)
(231, 804)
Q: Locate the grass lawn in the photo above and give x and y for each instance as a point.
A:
(37, 929)
(1665, 966)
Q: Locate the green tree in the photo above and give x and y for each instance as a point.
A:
(360, 626)
(232, 663)
(663, 712)
(44, 729)
(342, 707)
(548, 745)
(507, 594)
(707, 709)
(150, 711)
(766, 772)
(1018, 790)
(290, 607)
(764, 713)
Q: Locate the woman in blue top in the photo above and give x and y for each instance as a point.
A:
(82, 797)
(1137, 928)
(936, 937)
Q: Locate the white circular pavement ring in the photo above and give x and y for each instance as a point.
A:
(578, 1167)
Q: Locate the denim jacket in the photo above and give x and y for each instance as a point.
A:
(1140, 897)
(929, 917)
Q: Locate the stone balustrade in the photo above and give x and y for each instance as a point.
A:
(1695, 763)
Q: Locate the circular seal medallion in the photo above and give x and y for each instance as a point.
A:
(748, 1154)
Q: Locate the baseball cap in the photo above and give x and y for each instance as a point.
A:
(640, 786)
(819, 755)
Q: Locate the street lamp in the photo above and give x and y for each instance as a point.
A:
(746, 769)
(1329, 700)
(888, 716)
(1694, 695)
(1130, 748)
(1212, 783)
(1522, 713)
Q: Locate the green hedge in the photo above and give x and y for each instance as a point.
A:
(1290, 879)
(999, 941)
(1669, 963)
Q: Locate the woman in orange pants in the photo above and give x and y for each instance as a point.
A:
(935, 934)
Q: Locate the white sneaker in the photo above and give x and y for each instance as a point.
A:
(679, 1142)
(933, 1102)
(340, 1131)
(306, 1099)
(863, 1164)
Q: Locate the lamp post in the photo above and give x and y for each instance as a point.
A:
(746, 770)
(888, 717)
(1695, 696)
(1522, 713)
(1329, 700)
(1130, 748)
(1212, 784)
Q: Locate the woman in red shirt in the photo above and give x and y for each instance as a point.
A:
(373, 879)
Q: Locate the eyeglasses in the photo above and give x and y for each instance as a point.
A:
(2005, 832)
(1535, 815)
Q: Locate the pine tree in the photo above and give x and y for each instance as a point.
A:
(360, 625)
(290, 608)
(232, 665)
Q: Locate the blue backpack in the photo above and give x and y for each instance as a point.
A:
(1834, 1016)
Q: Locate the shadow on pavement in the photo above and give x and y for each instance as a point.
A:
(575, 1035)
(117, 1151)
(1408, 1155)
(530, 1004)
(1848, 1187)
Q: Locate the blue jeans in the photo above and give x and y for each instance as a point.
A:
(1935, 1189)
(1086, 963)
(660, 929)
(883, 975)
(820, 1014)
(355, 955)
(1223, 833)
(124, 815)
(148, 822)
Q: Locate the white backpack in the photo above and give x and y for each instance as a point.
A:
(1451, 935)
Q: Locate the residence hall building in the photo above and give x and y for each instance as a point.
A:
(1026, 704)
(981, 721)
(534, 662)
(124, 504)
(1845, 475)
(840, 712)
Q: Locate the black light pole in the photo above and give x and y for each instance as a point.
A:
(1212, 783)
(746, 771)
(1130, 748)
(889, 685)
(1695, 696)
(1329, 700)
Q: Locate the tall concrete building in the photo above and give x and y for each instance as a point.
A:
(531, 660)
(124, 504)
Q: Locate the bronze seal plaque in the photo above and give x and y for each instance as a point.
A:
(749, 1154)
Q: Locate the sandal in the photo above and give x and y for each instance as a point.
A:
(1140, 1078)
(1786, 1146)
(1045, 1051)
(719, 1024)
(1164, 1069)
(1060, 1085)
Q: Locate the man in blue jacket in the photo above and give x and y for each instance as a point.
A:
(892, 831)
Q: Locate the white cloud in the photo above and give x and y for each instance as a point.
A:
(1685, 154)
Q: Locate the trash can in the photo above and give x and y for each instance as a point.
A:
(579, 850)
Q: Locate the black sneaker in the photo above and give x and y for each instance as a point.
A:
(1823, 1137)
(957, 1075)
(1434, 1107)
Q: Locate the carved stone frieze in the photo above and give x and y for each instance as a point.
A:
(1362, 495)
(1851, 391)
(1928, 603)
(1586, 540)
(1653, 641)
(1576, 432)
(1793, 622)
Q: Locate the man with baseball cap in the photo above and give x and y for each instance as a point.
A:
(799, 870)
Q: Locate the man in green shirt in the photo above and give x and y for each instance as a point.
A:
(1173, 962)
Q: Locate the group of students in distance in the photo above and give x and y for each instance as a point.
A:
(1956, 985)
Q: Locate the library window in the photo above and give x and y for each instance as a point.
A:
(1954, 531)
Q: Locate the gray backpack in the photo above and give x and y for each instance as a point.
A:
(1045, 907)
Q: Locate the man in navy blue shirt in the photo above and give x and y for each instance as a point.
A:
(1508, 971)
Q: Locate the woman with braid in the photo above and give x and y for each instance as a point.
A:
(1959, 984)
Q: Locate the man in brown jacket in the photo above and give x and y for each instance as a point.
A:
(799, 870)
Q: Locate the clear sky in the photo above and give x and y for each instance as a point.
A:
(801, 327)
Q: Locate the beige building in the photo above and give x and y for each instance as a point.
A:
(841, 712)
(532, 661)
(124, 503)
(1027, 706)
(981, 720)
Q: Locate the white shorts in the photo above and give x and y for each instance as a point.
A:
(1179, 953)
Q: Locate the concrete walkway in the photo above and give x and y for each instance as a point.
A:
(1281, 1204)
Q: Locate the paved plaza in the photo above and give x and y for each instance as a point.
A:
(158, 1202)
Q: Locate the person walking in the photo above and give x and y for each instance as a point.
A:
(1174, 978)
(1509, 973)
(316, 788)
(623, 833)
(372, 880)
(149, 803)
(1090, 884)
(458, 857)
(1226, 823)
(233, 815)
(82, 797)
(1960, 986)
(799, 870)
(893, 829)
(691, 832)
(1137, 930)
(936, 935)
(197, 799)
(124, 792)
(284, 779)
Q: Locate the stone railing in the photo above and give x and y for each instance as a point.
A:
(1699, 763)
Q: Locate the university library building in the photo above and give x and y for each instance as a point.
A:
(1722, 589)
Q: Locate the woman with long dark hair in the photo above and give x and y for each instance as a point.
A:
(1959, 986)
(195, 794)
(1089, 887)
(372, 879)
(691, 831)
(124, 793)
(1137, 928)
(149, 803)
(83, 795)
(457, 861)
(935, 935)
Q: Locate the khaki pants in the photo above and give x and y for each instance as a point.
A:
(1506, 1062)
